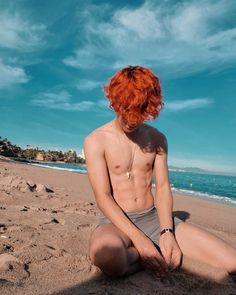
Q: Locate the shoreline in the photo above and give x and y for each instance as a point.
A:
(195, 194)
(211, 198)
(69, 179)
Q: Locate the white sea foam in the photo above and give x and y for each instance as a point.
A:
(176, 170)
(60, 168)
(201, 195)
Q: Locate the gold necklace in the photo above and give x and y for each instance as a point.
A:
(128, 172)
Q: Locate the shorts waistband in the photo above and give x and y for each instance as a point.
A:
(141, 212)
(135, 214)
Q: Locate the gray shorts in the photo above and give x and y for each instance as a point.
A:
(146, 220)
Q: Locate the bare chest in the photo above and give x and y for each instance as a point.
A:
(121, 158)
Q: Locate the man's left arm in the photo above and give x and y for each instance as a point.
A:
(164, 204)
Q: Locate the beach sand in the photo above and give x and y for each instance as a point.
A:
(46, 217)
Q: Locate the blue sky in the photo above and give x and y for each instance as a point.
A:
(55, 57)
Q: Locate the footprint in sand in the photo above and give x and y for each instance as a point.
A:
(7, 283)
(38, 252)
(19, 228)
(55, 251)
(5, 247)
(83, 211)
(44, 196)
(79, 263)
(12, 269)
(33, 253)
(84, 226)
(3, 228)
(83, 208)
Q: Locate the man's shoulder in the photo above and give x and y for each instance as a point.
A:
(157, 138)
(98, 135)
(154, 132)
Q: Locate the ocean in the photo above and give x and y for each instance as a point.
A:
(214, 187)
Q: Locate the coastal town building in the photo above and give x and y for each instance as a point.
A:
(81, 155)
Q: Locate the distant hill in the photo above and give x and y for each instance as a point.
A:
(188, 169)
(199, 170)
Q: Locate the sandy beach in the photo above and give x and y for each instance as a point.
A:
(46, 217)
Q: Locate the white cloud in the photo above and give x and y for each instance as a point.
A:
(103, 103)
(142, 22)
(84, 84)
(11, 75)
(90, 56)
(176, 39)
(60, 101)
(18, 33)
(188, 104)
(80, 56)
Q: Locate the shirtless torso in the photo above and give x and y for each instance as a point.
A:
(134, 193)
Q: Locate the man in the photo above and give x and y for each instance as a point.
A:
(137, 228)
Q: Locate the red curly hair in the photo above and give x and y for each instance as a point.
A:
(134, 93)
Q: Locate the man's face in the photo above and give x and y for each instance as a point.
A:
(126, 126)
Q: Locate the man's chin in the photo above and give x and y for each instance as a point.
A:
(129, 130)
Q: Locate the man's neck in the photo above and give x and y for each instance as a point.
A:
(118, 128)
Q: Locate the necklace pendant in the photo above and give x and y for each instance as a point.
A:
(128, 174)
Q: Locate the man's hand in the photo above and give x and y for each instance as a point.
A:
(150, 256)
(170, 250)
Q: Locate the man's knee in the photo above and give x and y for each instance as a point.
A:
(110, 257)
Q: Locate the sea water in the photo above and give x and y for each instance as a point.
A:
(219, 188)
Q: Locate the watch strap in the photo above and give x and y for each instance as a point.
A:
(167, 230)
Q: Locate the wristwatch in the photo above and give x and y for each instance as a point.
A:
(167, 230)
